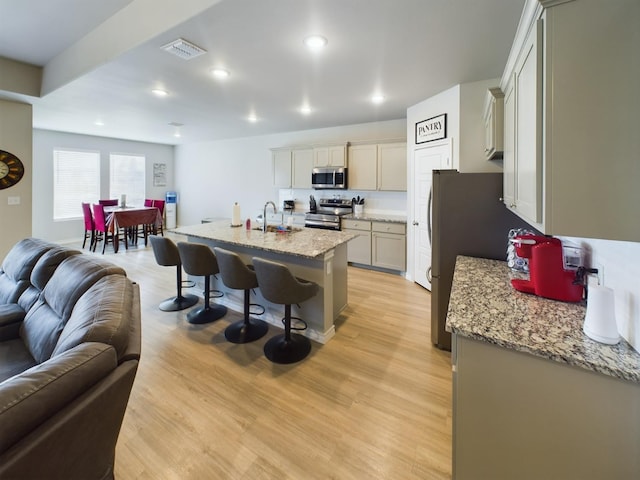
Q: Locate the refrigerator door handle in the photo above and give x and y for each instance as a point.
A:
(429, 215)
(429, 277)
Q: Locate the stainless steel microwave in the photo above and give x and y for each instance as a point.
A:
(329, 178)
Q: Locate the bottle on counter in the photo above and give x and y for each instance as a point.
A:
(248, 224)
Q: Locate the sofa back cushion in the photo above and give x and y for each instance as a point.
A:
(44, 322)
(42, 272)
(17, 266)
(103, 314)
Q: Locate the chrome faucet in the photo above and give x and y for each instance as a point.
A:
(264, 214)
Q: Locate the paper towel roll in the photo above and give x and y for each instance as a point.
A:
(235, 217)
(600, 320)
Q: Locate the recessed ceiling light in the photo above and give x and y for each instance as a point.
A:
(220, 73)
(252, 118)
(305, 109)
(159, 92)
(315, 42)
(377, 98)
(99, 123)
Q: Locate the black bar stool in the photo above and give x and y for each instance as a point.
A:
(199, 260)
(235, 274)
(278, 285)
(167, 255)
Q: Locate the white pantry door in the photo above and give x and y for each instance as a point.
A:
(425, 160)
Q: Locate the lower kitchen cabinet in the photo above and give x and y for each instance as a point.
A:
(379, 244)
(358, 249)
(388, 245)
(516, 415)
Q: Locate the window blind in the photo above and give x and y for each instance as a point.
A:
(76, 179)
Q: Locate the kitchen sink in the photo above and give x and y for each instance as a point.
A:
(279, 229)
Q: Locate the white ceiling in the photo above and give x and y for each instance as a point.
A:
(101, 59)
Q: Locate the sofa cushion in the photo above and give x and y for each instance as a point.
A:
(11, 317)
(14, 358)
(30, 398)
(42, 272)
(17, 266)
(102, 314)
(44, 322)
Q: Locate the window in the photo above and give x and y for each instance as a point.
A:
(127, 177)
(76, 179)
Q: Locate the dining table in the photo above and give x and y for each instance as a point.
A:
(129, 219)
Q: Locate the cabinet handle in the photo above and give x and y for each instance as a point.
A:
(513, 205)
(415, 223)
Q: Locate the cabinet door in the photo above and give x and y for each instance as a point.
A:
(509, 159)
(528, 131)
(302, 161)
(392, 167)
(363, 167)
(281, 168)
(330, 156)
(337, 156)
(489, 132)
(359, 248)
(388, 250)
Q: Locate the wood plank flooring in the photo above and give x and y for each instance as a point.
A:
(373, 403)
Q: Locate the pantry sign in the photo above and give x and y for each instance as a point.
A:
(434, 128)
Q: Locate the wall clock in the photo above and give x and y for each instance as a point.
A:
(11, 169)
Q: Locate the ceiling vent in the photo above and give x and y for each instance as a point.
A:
(183, 49)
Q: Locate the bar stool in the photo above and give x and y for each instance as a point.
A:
(167, 255)
(235, 274)
(199, 260)
(278, 285)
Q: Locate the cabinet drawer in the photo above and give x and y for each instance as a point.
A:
(387, 227)
(356, 224)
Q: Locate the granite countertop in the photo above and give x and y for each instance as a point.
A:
(484, 306)
(377, 217)
(306, 242)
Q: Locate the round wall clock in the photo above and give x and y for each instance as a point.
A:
(11, 169)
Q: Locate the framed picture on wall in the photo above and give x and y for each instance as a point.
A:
(159, 174)
(434, 128)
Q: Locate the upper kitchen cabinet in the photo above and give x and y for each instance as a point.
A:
(378, 167)
(330, 156)
(292, 167)
(572, 116)
(493, 124)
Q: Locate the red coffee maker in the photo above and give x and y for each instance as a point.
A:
(548, 276)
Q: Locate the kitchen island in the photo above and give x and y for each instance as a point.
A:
(533, 396)
(312, 254)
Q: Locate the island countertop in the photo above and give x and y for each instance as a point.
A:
(484, 306)
(306, 242)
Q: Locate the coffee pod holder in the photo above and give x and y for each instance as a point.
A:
(600, 321)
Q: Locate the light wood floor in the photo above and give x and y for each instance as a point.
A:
(373, 403)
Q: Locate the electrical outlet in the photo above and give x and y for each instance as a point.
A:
(600, 273)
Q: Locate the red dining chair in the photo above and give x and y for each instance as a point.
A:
(101, 228)
(89, 226)
(152, 229)
(108, 203)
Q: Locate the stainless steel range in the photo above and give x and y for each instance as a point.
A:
(328, 213)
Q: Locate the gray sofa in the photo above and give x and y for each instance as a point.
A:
(69, 353)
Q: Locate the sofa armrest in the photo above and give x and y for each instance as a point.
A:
(11, 317)
(36, 394)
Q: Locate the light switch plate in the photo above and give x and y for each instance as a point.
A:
(13, 200)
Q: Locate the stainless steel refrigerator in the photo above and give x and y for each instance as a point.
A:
(468, 218)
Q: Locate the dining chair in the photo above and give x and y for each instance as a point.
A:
(89, 226)
(152, 229)
(101, 228)
(108, 203)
